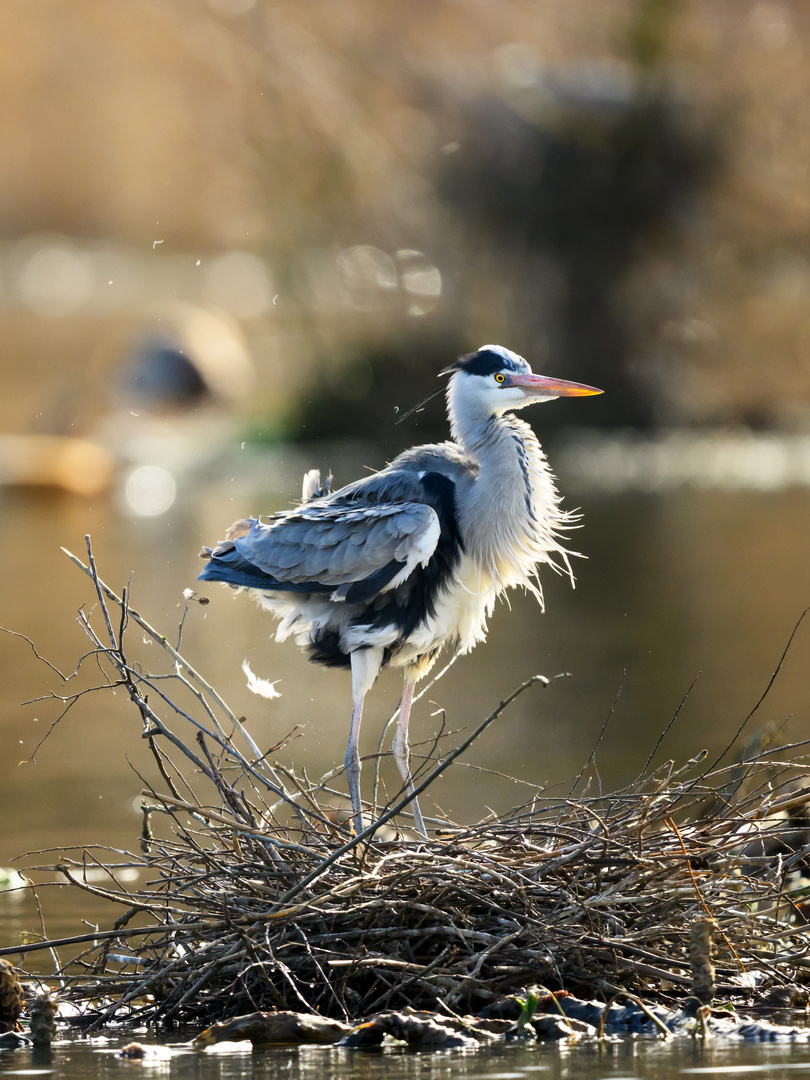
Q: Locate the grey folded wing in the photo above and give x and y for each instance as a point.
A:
(343, 546)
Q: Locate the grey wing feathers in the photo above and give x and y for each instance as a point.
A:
(354, 542)
(339, 544)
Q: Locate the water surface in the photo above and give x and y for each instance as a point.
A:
(640, 1059)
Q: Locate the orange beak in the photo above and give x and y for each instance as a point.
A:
(542, 387)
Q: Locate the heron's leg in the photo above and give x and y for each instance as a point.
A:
(401, 751)
(353, 766)
(366, 665)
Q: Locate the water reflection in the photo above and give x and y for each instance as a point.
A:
(732, 461)
(677, 584)
(637, 1059)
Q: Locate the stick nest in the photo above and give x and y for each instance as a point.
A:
(253, 895)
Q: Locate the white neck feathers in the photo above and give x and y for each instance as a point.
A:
(511, 519)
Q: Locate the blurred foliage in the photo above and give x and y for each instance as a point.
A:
(650, 29)
(394, 374)
(552, 216)
(616, 190)
(582, 197)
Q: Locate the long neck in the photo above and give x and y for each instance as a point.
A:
(511, 518)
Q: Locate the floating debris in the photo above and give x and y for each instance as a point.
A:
(274, 1027)
(136, 1051)
(42, 1015)
(11, 997)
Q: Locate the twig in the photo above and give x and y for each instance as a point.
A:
(600, 736)
(765, 692)
(163, 642)
(14, 633)
(671, 824)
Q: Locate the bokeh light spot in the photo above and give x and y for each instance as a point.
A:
(56, 280)
(240, 283)
(150, 490)
(369, 275)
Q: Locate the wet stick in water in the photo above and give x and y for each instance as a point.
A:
(701, 948)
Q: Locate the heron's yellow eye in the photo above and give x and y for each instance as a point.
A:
(499, 378)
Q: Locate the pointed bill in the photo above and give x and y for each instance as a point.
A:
(543, 386)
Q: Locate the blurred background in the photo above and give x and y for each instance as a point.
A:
(237, 236)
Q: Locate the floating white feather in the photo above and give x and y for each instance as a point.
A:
(263, 687)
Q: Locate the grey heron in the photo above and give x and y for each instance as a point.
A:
(388, 570)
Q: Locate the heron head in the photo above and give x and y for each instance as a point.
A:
(494, 379)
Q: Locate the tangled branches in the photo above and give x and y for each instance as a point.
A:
(253, 896)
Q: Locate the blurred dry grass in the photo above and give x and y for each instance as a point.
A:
(618, 189)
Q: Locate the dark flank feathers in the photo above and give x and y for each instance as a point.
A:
(415, 600)
(324, 649)
(361, 591)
